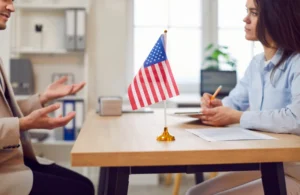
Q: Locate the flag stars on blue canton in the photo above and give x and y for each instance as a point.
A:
(156, 55)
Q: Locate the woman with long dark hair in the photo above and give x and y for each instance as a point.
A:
(267, 98)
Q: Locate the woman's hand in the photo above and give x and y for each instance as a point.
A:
(59, 89)
(207, 103)
(220, 116)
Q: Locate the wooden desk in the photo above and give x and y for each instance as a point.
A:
(127, 145)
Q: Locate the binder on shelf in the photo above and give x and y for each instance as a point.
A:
(22, 76)
(80, 29)
(59, 111)
(59, 131)
(70, 29)
(69, 129)
(66, 106)
(79, 118)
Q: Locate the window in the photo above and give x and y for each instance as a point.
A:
(184, 24)
(231, 33)
(191, 25)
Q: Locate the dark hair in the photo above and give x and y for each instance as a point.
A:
(280, 19)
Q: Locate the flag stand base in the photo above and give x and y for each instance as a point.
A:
(165, 136)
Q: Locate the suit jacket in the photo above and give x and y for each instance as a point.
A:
(15, 177)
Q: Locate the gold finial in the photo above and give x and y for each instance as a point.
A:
(165, 136)
(165, 31)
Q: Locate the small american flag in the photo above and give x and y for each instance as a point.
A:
(154, 81)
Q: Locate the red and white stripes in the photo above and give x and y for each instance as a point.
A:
(151, 85)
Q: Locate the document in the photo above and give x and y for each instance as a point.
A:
(194, 114)
(228, 134)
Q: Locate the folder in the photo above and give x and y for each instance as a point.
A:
(80, 29)
(70, 29)
(58, 131)
(59, 111)
(69, 129)
(79, 118)
(22, 76)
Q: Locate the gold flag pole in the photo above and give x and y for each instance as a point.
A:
(165, 136)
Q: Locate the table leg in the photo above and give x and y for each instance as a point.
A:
(199, 178)
(273, 179)
(103, 179)
(111, 181)
(122, 181)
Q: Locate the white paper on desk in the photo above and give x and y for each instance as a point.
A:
(228, 134)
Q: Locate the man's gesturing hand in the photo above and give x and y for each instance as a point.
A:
(39, 119)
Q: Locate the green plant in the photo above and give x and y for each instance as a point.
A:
(217, 55)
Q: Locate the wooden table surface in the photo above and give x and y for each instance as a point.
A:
(130, 140)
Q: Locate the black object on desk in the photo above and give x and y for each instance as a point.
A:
(210, 80)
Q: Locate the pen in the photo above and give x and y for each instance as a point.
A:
(216, 93)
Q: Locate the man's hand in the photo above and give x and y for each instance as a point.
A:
(207, 103)
(220, 116)
(59, 89)
(39, 119)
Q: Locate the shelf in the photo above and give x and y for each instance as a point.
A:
(49, 6)
(53, 142)
(51, 139)
(21, 97)
(47, 51)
